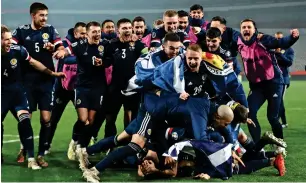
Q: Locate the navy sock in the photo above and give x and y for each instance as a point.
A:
(117, 155)
(26, 133)
(77, 127)
(253, 166)
(85, 136)
(249, 145)
(102, 145)
(270, 154)
(45, 129)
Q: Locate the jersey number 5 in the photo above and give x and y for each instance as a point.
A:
(123, 53)
(36, 47)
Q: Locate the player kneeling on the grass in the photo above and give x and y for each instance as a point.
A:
(13, 94)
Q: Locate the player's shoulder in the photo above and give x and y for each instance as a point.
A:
(114, 41)
(104, 42)
(157, 32)
(16, 47)
(139, 43)
(79, 42)
(183, 32)
(24, 27)
(50, 28)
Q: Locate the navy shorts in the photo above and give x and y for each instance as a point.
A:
(116, 99)
(62, 96)
(88, 98)
(142, 118)
(41, 95)
(13, 98)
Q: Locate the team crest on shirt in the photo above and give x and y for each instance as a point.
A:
(153, 35)
(149, 131)
(101, 49)
(13, 63)
(132, 46)
(45, 37)
(78, 102)
(58, 101)
(204, 77)
(174, 136)
(228, 53)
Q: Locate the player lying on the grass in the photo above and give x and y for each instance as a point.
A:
(92, 174)
(199, 161)
(12, 91)
(138, 141)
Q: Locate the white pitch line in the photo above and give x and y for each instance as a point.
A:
(9, 135)
(15, 140)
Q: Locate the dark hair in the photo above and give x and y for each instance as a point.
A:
(106, 21)
(249, 20)
(79, 24)
(172, 37)
(279, 32)
(123, 20)
(93, 23)
(139, 19)
(220, 19)
(4, 29)
(213, 32)
(196, 7)
(182, 13)
(240, 113)
(35, 7)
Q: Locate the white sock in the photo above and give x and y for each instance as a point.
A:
(31, 159)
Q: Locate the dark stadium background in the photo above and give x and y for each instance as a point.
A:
(271, 16)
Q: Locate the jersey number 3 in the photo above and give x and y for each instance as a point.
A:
(123, 53)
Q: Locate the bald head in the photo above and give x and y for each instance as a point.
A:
(224, 116)
(225, 112)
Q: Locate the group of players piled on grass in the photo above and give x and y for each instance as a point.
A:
(179, 84)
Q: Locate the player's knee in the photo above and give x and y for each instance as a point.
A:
(242, 137)
(138, 139)
(83, 119)
(273, 119)
(45, 118)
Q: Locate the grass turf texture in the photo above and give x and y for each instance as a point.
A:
(62, 170)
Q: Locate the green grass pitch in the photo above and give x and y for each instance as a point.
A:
(62, 170)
